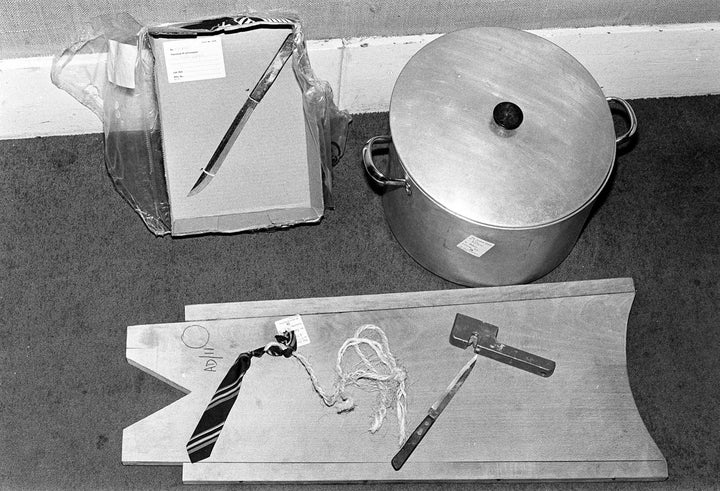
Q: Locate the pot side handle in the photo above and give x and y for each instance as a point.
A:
(632, 119)
(370, 167)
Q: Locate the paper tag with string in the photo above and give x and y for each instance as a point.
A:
(294, 323)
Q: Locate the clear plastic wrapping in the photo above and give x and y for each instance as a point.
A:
(111, 71)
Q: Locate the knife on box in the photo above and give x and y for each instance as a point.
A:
(233, 131)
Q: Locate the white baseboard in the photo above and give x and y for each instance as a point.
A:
(632, 62)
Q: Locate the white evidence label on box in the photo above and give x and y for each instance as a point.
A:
(475, 245)
(189, 60)
(294, 323)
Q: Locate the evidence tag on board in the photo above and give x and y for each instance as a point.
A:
(294, 323)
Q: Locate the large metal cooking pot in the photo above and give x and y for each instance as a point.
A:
(500, 144)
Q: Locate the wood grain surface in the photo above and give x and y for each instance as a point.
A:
(581, 423)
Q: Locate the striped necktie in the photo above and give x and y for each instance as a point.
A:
(208, 429)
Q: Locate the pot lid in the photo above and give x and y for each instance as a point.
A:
(502, 127)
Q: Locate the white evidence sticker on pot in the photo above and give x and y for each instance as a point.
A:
(189, 60)
(475, 245)
(294, 323)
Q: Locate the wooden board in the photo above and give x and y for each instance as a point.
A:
(581, 423)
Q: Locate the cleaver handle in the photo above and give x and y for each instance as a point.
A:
(412, 442)
(489, 347)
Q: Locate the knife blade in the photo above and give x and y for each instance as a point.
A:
(233, 131)
(435, 410)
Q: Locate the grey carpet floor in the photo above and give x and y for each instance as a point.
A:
(78, 267)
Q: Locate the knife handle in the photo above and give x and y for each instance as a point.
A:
(412, 442)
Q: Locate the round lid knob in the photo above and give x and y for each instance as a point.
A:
(508, 115)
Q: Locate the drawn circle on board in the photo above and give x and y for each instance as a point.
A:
(195, 336)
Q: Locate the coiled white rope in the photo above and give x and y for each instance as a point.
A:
(377, 370)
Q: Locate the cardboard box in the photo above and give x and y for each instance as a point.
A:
(272, 174)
